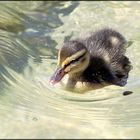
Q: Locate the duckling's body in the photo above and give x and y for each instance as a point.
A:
(96, 59)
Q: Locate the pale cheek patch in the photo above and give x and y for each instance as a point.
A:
(67, 69)
(83, 59)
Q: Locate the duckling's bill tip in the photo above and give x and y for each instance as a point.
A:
(57, 76)
(52, 82)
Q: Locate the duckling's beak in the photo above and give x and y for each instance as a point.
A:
(57, 76)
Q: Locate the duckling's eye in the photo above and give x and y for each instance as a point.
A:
(73, 61)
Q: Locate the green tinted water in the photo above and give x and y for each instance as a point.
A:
(30, 35)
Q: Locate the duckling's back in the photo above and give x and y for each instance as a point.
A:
(107, 49)
(106, 43)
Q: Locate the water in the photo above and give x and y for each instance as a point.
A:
(30, 35)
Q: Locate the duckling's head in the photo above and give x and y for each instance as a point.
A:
(73, 59)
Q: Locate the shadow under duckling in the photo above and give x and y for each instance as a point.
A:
(94, 62)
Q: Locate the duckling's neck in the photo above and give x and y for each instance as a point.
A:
(73, 79)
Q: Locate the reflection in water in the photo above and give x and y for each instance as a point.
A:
(12, 55)
(30, 34)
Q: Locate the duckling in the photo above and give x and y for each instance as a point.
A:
(97, 59)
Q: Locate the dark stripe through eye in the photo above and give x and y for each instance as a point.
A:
(75, 60)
